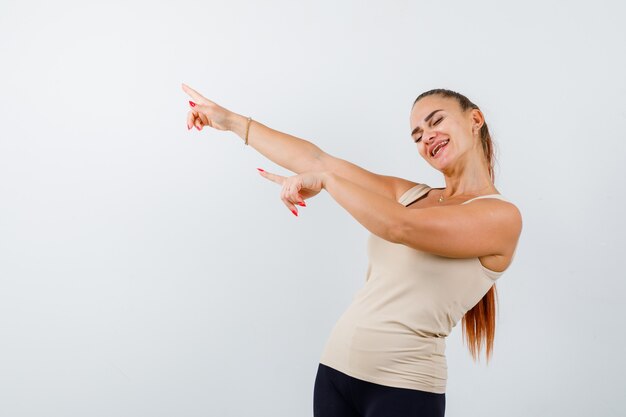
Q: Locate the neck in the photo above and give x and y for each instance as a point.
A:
(469, 177)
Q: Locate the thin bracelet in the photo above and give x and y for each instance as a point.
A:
(248, 129)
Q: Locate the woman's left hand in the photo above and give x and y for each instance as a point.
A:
(297, 188)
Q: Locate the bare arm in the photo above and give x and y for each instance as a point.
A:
(486, 227)
(299, 155)
(385, 185)
(295, 154)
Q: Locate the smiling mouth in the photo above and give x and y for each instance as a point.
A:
(438, 148)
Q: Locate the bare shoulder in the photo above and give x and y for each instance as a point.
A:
(505, 209)
(402, 185)
(506, 221)
(504, 214)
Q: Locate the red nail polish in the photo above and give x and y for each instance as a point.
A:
(197, 128)
(303, 204)
(262, 170)
(295, 213)
(192, 103)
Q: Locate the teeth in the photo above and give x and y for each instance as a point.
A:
(439, 147)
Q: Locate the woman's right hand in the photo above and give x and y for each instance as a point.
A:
(204, 112)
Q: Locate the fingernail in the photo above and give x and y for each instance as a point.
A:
(262, 170)
(295, 213)
(192, 103)
(198, 128)
(302, 203)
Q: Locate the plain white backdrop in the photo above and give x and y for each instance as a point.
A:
(148, 270)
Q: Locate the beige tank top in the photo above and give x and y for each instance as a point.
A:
(393, 333)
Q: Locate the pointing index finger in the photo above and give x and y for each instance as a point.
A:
(278, 179)
(194, 94)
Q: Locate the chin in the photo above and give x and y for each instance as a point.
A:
(440, 164)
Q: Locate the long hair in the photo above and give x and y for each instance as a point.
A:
(479, 323)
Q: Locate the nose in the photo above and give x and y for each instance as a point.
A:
(428, 136)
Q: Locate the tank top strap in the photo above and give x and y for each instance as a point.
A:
(498, 196)
(413, 194)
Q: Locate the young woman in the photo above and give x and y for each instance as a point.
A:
(434, 254)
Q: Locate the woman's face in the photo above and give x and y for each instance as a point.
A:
(443, 133)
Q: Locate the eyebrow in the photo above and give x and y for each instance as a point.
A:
(417, 129)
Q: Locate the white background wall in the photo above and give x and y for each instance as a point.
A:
(148, 270)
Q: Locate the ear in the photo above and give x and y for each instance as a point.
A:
(478, 120)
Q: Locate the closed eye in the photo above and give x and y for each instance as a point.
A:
(435, 123)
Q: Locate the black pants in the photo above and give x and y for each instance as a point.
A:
(339, 395)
